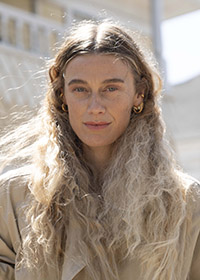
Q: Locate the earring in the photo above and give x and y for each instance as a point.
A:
(61, 95)
(138, 109)
(64, 107)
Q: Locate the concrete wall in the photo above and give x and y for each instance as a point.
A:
(182, 115)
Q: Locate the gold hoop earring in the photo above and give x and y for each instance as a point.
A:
(138, 109)
(61, 95)
(64, 107)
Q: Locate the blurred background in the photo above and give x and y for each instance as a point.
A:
(30, 30)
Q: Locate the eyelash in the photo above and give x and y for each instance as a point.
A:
(79, 89)
(111, 89)
(82, 89)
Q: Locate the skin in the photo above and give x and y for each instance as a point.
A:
(100, 93)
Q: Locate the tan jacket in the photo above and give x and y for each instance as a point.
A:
(12, 194)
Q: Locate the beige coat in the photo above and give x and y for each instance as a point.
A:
(12, 194)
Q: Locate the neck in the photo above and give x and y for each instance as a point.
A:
(98, 157)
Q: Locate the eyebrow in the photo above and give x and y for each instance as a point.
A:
(114, 80)
(79, 81)
(76, 81)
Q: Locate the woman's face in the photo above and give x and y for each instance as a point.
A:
(100, 93)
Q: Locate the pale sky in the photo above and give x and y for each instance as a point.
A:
(181, 47)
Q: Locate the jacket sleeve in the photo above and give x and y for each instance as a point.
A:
(10, 197)
(195, 267)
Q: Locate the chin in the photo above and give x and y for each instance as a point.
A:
(96, 144)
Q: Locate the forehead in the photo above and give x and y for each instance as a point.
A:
(98, 64)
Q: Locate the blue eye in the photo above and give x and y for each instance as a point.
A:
(111, 89)
(79, 89)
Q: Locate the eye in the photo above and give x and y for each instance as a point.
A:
(111, 89)
(79, 89)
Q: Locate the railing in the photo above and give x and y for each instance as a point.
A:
(27, 31)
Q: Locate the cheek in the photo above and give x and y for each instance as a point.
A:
(73, 114)
(123, 115)
(124, 111)
(126, 118)
(71, 104)
(76, 112)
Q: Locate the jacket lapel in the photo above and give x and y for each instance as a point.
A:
(73, 261)
(71, 267)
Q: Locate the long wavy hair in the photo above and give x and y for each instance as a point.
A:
(135, 208)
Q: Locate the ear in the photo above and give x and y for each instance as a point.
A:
(63, 96)
(138, 98)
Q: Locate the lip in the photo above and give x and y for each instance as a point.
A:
(96, 125)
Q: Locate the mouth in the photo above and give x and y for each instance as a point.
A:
(96, 125)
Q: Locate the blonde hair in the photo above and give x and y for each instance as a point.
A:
(135, 208)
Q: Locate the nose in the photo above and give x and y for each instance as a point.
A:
(95, 105)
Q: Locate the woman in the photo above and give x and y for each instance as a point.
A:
(99, 195)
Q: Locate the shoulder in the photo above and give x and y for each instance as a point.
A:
(17, 174)
(14, 185)
(192, 188)
(13, 190)
(192, 192)
(190, 185)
